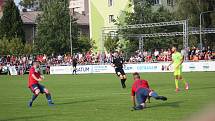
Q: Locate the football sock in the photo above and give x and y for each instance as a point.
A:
(176, 83)
(48, 97)
(33, 97)
(123, 83)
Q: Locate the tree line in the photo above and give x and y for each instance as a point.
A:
(52, 34)
(144, 12)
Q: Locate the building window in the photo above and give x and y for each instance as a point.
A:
(110, 3)
(170, 2)
(111, 18)
(156, 2)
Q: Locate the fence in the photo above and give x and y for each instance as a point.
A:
(130, 68)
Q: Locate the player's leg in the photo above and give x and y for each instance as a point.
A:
(184, 81)
(48, 95)
(75, 69)
(141, 96)
(176, 73)
(123, 78)
(156, 96)
(118, 73)
(36, 91)
(176, 83)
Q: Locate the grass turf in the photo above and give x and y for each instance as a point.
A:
(99, 97)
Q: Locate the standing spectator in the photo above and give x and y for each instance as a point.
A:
(156, 53)
(74, 65)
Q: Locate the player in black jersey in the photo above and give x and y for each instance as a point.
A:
(118, 63)
(74, 64)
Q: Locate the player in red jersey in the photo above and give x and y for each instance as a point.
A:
(33, 83)
(141, 91)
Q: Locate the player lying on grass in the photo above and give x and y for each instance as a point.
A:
(177, 60)
(33, 83)
(118, 63)
(141, 91)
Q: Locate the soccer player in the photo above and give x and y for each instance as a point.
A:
(177, 60)
(117, 63)
(74, 65)
(140, 92)
(33, 83)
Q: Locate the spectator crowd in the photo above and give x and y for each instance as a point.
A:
(190, 54)
(24, 62)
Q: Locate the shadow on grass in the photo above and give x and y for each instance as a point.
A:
(78, 101)
(167, 104)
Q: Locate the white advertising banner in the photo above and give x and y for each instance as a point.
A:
(103, 69)
(199, 66)
(130, 68)
(82, 69)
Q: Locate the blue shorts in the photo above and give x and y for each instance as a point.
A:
(38, 86)
(141, 95)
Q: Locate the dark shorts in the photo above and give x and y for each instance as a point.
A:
(38, 86)
(74, 66)
(119, 71)
(141, 95)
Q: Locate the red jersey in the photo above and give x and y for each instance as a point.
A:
(139, 84)
(31, 80)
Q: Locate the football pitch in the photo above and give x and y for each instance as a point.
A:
(99, 97)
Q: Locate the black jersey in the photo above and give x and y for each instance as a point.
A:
(118, 62)
(74, 62)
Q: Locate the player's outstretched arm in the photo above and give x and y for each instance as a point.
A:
(42, 77)
(133, 100)
(170, 64)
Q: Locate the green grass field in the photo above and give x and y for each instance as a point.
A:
(99, 97)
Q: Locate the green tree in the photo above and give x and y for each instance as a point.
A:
(143, 13)
(29, 3)
(191, 9)
(53, 35)
(111, 44)
(26, 3)
(13, 46)
(84, 44)
(11, 23)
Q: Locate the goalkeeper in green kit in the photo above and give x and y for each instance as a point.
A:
(177, 60)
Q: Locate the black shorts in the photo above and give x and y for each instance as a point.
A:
(74, 65)
(119, 71)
